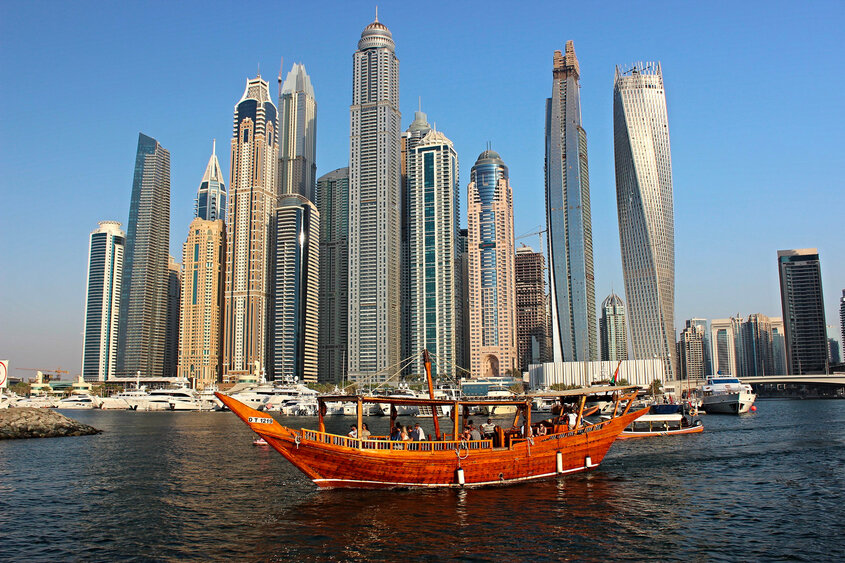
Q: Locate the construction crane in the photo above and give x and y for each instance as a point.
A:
(539, 234)
(47, 372)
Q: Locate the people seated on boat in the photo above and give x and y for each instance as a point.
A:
(571, 420)
(474, 434)
(396, 433)
(465, 435)
(541, 429)
(487, 428)
(417, 434)
(353, 432)
(365, 432)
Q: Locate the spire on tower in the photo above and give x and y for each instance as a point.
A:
(376, 12)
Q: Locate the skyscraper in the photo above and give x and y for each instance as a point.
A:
(691, 352)
(614, 336)
(726, 344)
(646, 216)
(407, 141)
(530, 272)
(570, 234)
(171, 339)
(143, 293)
(803, 311)
(463, 345)
(434, 202)
(102, 302)
(201, 310)
(778, 346)
(211, 196)
(758, 355)
(297, 134)
(252, 200)
(375, 333)
(492, 295)
(296, 292)
(708, 363)
(842, 318)
(334, 275)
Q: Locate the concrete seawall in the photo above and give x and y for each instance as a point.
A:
(28, 422)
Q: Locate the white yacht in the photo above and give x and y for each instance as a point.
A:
(131, 399)
(41, 401)
(282, 395)
(726, 394)
(79, 401)
(179, 399)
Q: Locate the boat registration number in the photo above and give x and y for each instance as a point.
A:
(259, 420)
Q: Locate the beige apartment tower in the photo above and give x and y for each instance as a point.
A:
(200, 341)
(492, 291)
(252, 201)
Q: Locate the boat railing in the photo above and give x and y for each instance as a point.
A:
(393, 445)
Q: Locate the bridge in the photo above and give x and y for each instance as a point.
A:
(819, 379)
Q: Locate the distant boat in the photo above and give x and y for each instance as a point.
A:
(726, 395)
(659, 422)
(521, 453)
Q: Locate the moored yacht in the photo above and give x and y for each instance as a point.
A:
(727, 395)
(79, 401)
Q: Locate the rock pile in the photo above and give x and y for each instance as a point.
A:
(27, 422)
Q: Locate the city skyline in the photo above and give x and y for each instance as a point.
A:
(106, 180)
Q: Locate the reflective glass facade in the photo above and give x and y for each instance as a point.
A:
(143, 298)
(644, 203)
(568, 220)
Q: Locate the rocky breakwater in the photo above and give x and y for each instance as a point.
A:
(27, 422)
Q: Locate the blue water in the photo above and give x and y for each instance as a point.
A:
(168, 486)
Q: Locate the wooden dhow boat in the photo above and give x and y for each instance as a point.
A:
(527, 451)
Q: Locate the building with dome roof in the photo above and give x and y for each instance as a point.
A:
(492, 281)
(375, 218)
(614, 340)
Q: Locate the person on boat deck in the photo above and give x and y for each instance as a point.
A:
(365, 432)
(417, 433)
(488, 427)
(396, 434)
(404, 435)
(474, 434)
(353, 433)
(571, 419)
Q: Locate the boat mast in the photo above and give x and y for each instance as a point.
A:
(427, 364)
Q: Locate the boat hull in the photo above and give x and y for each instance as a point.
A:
(728, 403)
(336, 461)
(627, 435)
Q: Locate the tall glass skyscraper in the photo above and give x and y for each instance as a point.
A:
(614, 336)
(408, 140)
(492, 290)
(253, 199)
(375, 333)
(334, 275)
(297, 134)
(102, 302)
(171, 339)
(646, 214)
(570, 232)
(211, 196)
(803, 311)
(143, 294)
(434, 257)
(296, 281)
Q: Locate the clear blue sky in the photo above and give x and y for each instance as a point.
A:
(755, 97)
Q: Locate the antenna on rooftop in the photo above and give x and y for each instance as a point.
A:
(281, 66)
